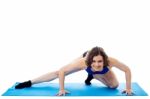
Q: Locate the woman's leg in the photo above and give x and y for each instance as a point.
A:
(45, 78)
(109, 79)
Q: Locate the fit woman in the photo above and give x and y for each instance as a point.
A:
(96, 63)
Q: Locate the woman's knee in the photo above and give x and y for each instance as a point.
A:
(114, 85)
(56, 72)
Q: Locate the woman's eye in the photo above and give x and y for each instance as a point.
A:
(100, 61)
(93, 61)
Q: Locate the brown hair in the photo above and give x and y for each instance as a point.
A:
(94, 52)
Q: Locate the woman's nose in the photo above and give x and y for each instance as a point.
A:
(97, 64)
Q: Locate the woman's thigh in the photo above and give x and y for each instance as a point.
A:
(109, 79)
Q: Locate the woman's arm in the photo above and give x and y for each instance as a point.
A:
(115, 63)
(74, 66)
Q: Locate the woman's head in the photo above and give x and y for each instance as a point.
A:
(97, 58)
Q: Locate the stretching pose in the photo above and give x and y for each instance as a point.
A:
(98, 66)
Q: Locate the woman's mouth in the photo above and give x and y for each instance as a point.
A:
(98, 68)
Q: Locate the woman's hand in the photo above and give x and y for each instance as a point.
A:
(62, 93)
(128, 92)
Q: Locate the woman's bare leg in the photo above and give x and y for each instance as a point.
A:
(100, 78)
(109, 79)
(46, 77)
(49, 77)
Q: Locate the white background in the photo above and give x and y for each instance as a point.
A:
(40, 36)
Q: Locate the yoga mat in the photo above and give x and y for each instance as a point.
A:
(75, 89)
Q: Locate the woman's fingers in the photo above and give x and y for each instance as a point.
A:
(130, 94)
(127, 92)
(62, 93)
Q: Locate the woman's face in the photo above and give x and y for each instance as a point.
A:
(97, 64)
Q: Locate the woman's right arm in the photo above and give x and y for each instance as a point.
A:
(74, 66)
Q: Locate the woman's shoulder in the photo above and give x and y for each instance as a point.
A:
(82, 61)
(112, 61)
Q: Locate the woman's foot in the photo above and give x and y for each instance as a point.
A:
(88, 80)
(23, 85)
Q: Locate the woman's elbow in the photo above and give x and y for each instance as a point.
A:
(61, 71)
(128, 70)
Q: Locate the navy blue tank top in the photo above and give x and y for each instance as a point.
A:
(105, 70)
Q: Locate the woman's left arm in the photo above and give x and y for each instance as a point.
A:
(116, 63)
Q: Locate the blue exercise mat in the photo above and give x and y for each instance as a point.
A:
(75, 89)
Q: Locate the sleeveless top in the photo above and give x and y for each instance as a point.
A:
(89, 70)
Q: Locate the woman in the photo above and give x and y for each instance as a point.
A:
(96, 63)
